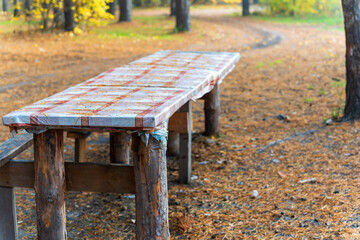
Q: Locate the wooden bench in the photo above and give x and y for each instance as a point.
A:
(137, 100)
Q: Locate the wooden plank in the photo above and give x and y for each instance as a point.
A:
(50, 185)
(185, 147)
(120, 147)
(14, 146)
(78, 134)
(178, 122)
(212, 112)
(8, 223)
(151, 189)
(84, 177)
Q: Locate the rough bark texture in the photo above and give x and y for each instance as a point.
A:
(50, 185)
(173, 144)
(173, 8)
(125, 10)
(69, 15)
(112, 7)
(185, 148)
(183, 15)
(120, 148)
(151, 189)
(351, 9)
(246, 7)
(5, 5)
(8, 223)
(212, 112)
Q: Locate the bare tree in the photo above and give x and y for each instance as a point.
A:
(246, 7)
(351, 10)
(69, 15)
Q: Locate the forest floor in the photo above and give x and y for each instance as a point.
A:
(274, 139)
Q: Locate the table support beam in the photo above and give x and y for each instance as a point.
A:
(185, 147)
(151, 189)
(8, 223)
(212, 112)
(50, 185)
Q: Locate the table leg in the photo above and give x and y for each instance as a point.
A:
(151, 189)
(8, 223)
(120, 147)
(212, 112)
(50, 185)
(185, 148)
(173, 144)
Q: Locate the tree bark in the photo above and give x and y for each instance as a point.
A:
(120, 148)
(183, 15)
(69, 15)
(125, 10)
(8, 223)
(50, 185)
(246, 7)
(151, 189)
(173, 8)
(212, 112)
(112, 7)
(16, 10)
(5, 5)
(351, 10)
(28, 8)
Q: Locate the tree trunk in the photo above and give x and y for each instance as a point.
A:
(351, 9)
(125, 10)
(112, 7)
(151, 189)
(5, 5)
(69, 15)
(183, 15)
(16, 9)
(246, 7)
(212, 112)
(28, 8)
(50, 185)
(173, 8)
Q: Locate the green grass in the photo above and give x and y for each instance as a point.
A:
(142, 27)
(325, 22)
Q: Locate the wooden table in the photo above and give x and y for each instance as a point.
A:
(137, 99)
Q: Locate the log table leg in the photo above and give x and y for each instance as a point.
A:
(50, 185)
(173, 144)
(8, 223)
(151, 189)
(120, 147)
(185, 148)
(212, 112)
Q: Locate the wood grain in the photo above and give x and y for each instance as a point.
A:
(185, 147)
(14, 146)
(8, 223)
(212, 112)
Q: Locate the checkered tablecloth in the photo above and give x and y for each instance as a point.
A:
(140, 95)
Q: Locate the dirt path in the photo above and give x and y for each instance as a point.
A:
(287, 82)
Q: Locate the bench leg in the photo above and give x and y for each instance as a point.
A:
(151, 189)
(173, 144)
(80, 150)
(212, 112)
(185, 148)
(8, 223)
(50, 185)
(120, 147)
